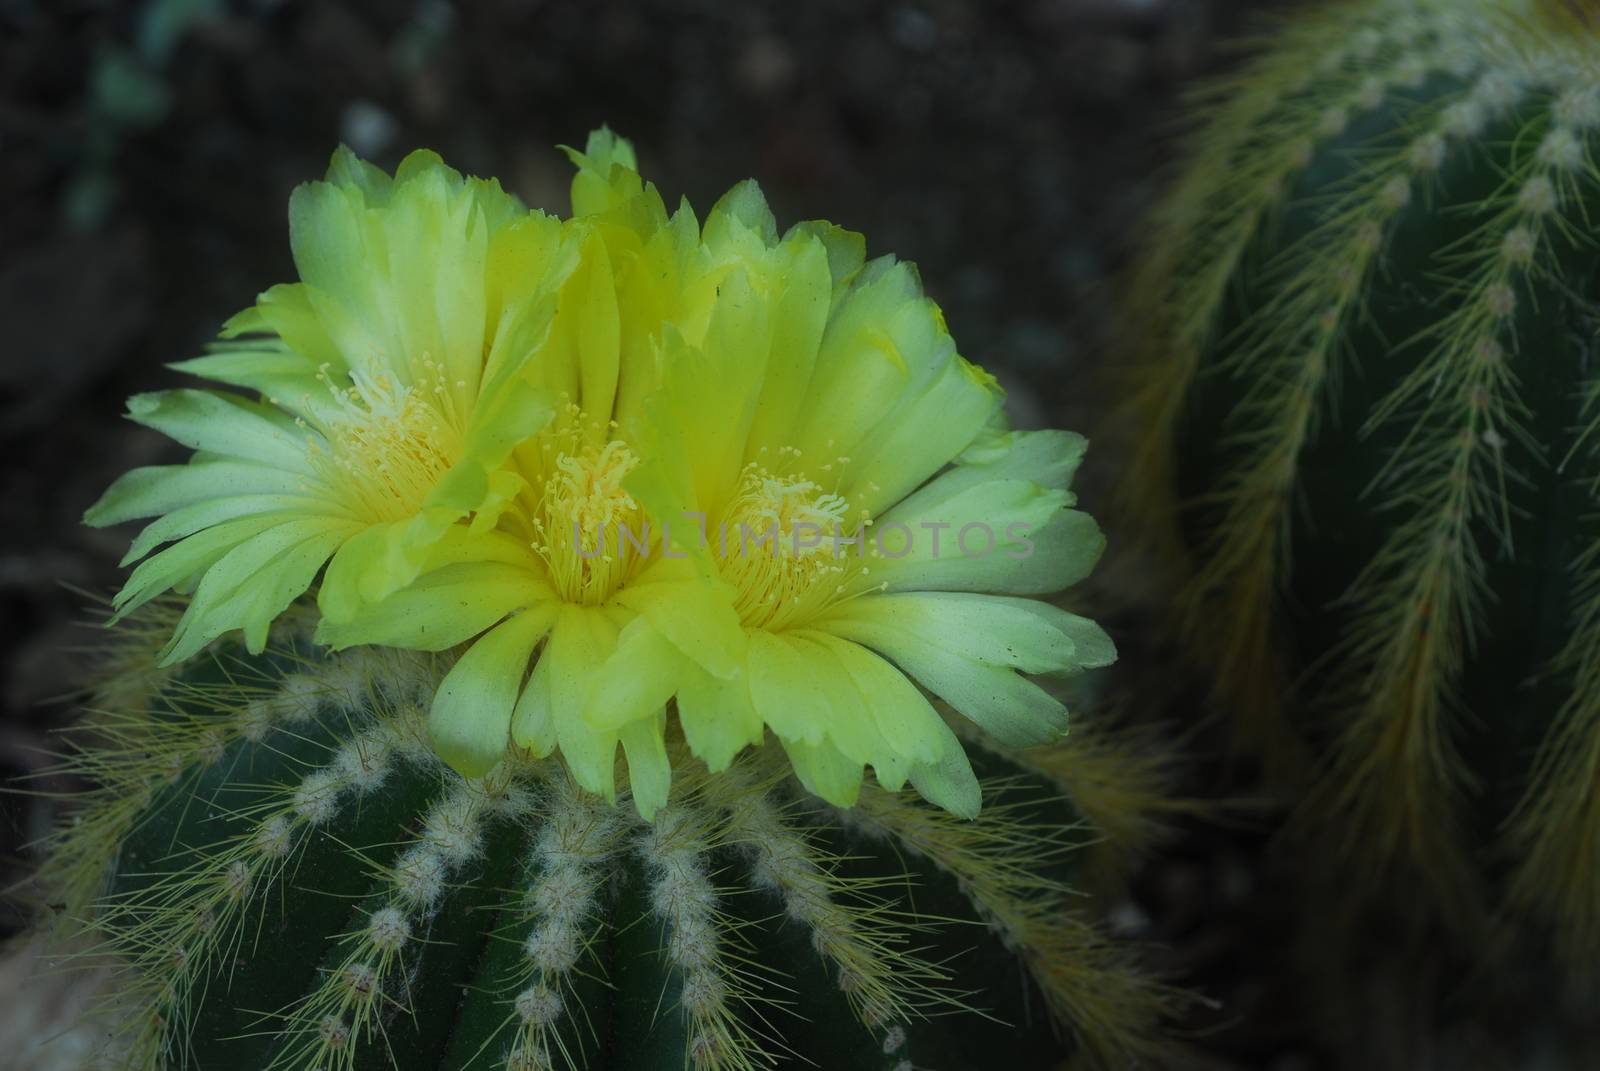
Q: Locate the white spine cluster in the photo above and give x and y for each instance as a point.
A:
(683, 897)
(298, 699)
(454, 827)
(388, 930)
(571, 857)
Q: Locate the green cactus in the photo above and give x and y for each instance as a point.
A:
(295, 880)
(1370, 405)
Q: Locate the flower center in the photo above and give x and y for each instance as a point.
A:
(788, 546)
(389, 446)
(589, 531)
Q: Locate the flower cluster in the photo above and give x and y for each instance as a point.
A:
(494, 431)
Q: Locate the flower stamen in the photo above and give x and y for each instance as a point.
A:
(389, 445)
(785, 545)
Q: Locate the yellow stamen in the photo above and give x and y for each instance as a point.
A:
(785, 545)
(389, 446)
(586, 527)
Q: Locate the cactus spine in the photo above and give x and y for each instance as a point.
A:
(295, 880)
(1370, 406)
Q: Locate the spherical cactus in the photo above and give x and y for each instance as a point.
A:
(1369, 404)
(556, 623)
(295, 879)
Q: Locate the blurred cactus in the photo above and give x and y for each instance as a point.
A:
(296, 880)
(1369, 401)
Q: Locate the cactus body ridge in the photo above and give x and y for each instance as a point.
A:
(1370, 405)
(298, 881)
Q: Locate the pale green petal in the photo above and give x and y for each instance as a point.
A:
(800, 687)
(438, 244)
(189, 557)
(1018, 712)
(592, 297)
(516, 412)
(824, 771)
(224, 424)
(848, 716)
(246, 322)
(704, 410)
(461, 490)
(410, 549)
(718, 718)
(694, 613)
(649, 770)
(341, 598)
(1049, 458)
(742, 209)
(581, 641)
(292, 385)
(254, 582)
(1039, 546)
(783, 688)
(384, 558)
(1093, 648)
(879, 343)
(158, 489)
(533, 723)
(950, 782)
(527, 264)
(923, 435)
(609, 150)
(663, 483)
(905, 722)
(257, 367)
(799, 317)
(846, 249)
(421, 163)
(504, 487)
(607, 175)
(439, 609)
(472, 709)
(638, 679)
(339, 255)
(191, 519)
(267, 593)
(348, 169)
(397, 288)
(1023, 634)
(286, 311)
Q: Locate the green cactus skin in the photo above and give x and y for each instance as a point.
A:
(295, 880)
(1370, 404)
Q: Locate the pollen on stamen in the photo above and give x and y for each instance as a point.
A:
(585, 524)
(787, 540)
(389, 444)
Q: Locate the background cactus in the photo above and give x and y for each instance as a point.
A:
(1369, 401)
(296, 880)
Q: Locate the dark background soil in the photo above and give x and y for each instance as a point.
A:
(147, 151)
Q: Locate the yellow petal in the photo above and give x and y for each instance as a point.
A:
(472, 710)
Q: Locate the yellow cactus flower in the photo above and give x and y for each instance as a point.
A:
(740, 478)
(726, 393)
(390, 392)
